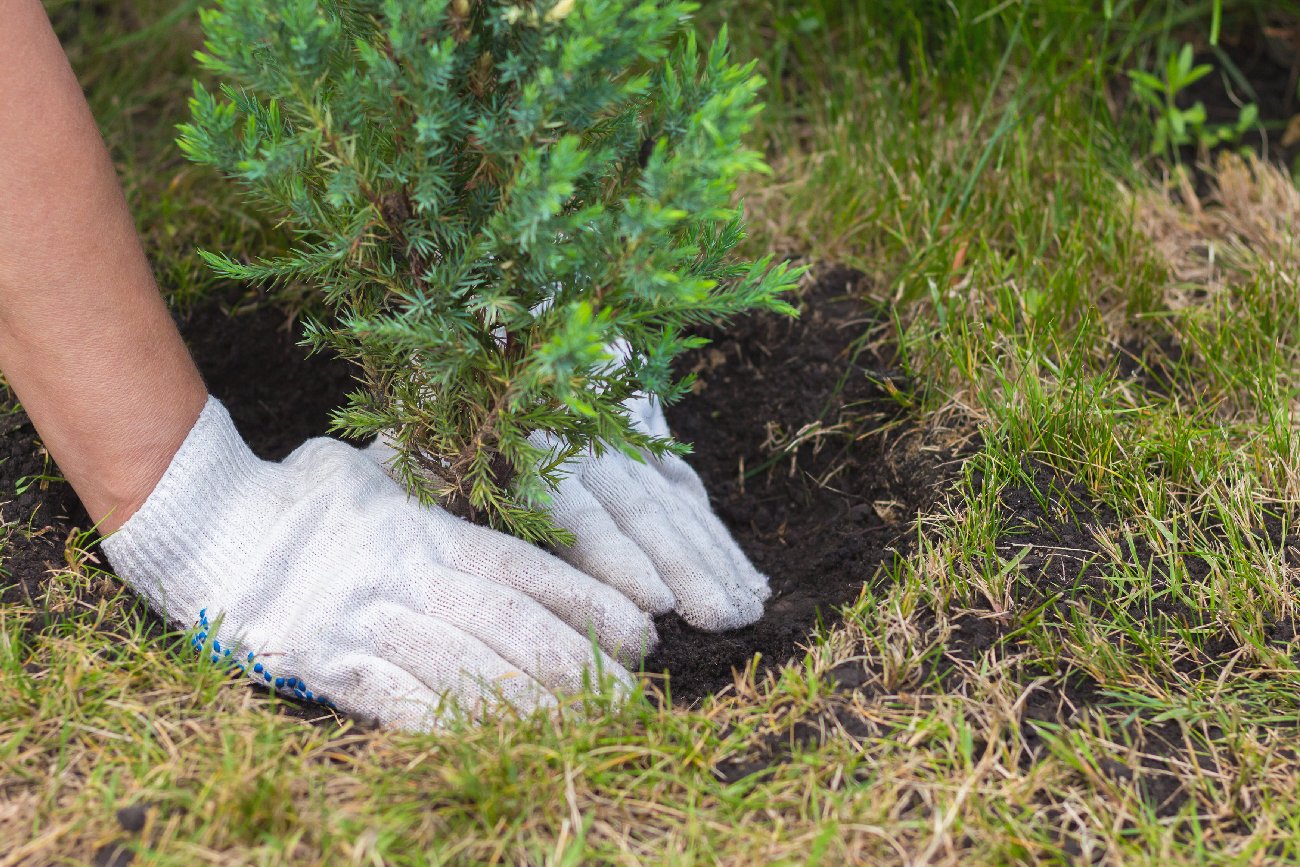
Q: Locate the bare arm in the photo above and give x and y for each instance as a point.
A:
(86, 341)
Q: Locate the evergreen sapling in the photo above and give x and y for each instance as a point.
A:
(488, 195)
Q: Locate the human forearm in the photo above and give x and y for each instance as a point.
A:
(85, 340)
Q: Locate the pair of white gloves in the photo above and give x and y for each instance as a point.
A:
(320, 577)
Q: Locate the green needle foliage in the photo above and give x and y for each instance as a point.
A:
(488, 194)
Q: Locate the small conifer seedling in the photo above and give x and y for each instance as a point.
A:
(488, 195)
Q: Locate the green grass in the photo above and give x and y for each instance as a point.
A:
(134, 61)
(970, 158)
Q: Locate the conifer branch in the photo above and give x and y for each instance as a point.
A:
(486, 194)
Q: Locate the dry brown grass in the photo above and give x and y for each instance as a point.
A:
(1245, 222)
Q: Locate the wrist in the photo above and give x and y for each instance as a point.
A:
(175, 546)
(116, 473)
(112, 422)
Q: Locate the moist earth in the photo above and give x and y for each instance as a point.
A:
(807, 458)
(810, 461)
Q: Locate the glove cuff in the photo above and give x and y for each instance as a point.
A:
(190, 519)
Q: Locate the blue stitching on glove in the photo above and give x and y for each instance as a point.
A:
(291, 685)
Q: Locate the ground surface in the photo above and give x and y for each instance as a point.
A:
(1025, 475)
(835, 471)
(819, 473)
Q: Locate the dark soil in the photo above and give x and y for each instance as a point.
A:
(252, 362)
(819, 520)
(45, 512)
(116, 854)
(277, 397)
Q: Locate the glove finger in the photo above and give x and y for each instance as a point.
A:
(708, 596)
(604, 552)
(455, 664)
(577, 599)
(724, 547)
(711, 525)
(371, 688)
(679, 474)
(697, 523)
(519, 630)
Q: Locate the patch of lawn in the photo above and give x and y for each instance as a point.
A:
(1089, 653)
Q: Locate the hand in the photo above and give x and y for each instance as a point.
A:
(646, 529)
(320, 577)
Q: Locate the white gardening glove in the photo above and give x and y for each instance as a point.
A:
(320, 577)
(647, 530)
